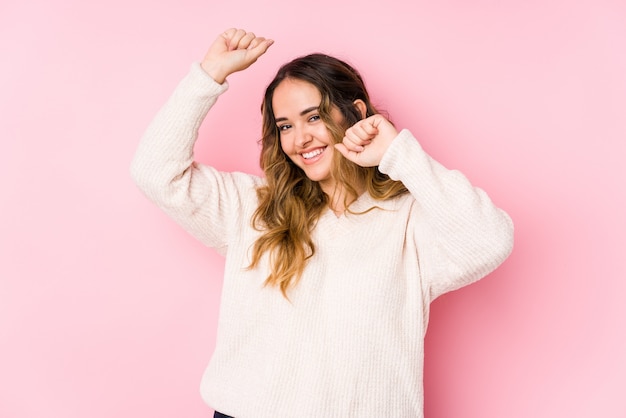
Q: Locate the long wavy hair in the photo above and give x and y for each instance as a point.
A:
(290, 203)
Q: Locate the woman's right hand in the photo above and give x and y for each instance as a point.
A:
(233, 50)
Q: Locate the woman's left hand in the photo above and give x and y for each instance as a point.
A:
(367, 140)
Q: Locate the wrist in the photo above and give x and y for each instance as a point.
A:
(214, 71)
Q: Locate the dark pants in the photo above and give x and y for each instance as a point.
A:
(220, 415)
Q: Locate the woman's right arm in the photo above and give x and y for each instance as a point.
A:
(195, 196)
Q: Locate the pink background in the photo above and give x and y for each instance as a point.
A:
(108, 309)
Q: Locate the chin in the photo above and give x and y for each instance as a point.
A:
(318, 176)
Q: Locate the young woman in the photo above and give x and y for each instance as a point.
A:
(333, 257)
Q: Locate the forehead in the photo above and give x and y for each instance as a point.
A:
(293, 95)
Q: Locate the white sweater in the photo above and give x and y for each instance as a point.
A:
(350, 341)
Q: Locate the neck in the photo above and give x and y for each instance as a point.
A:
(339, 197)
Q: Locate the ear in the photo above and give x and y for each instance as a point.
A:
(362, 107)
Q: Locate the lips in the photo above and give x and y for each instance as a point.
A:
(312, 155)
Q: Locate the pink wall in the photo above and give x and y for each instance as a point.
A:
(107, 309)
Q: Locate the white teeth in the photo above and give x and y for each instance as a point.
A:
(312, 154)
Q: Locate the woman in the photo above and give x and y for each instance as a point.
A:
(333, 258)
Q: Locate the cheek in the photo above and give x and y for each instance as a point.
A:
(323, 133)
(284, 145)
(288, 148)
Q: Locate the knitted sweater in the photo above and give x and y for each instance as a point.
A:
(349, 342)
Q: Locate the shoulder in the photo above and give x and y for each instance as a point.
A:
(235, 180)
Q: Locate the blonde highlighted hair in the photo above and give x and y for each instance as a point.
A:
(290, 203)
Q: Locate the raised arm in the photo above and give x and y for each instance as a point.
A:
(197, 197)
(460, 234)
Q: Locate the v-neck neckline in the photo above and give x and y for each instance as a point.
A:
(360, 204)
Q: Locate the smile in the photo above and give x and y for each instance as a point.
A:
(312, 154)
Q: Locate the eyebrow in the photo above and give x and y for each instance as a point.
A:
(304, 112)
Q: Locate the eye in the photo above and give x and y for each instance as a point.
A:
(284, 127)
(314, 118)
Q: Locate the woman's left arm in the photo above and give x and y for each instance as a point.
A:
(461, 236)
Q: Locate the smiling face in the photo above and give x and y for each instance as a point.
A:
(304, 137)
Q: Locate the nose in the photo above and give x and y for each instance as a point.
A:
(303, 137)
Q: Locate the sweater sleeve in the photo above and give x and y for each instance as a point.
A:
(461, 236)
(201, 199)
